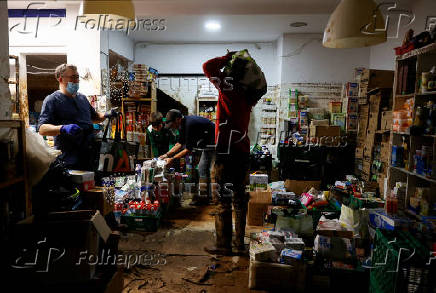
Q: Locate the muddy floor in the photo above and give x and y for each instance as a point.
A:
(183, 265)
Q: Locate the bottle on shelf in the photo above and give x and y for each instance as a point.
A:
(405, 154)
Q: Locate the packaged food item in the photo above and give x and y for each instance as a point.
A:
(290, 256)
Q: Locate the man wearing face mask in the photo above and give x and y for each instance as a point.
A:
(68, 116)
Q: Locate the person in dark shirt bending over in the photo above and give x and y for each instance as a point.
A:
(196, 133)
(68, 116)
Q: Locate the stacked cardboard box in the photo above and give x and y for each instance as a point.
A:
(371, 79)
(258, 206)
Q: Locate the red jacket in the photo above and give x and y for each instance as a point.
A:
(233, 110)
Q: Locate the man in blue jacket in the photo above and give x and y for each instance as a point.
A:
(68, 116)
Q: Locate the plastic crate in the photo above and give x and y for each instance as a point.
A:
(389, 274)
(142, 223)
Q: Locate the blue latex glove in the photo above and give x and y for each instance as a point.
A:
(71, 129)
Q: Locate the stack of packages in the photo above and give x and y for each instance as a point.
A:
(138, 87)
(402, 119)
(138, 198)
(350, 104)
(337, 118)
(137, 120)
(303, 115)
(334, 242)
(260, 199)
(276, 261)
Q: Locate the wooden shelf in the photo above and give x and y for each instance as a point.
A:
(10, 124)
(400, 133)
(427, 94)
(137, 100)
(408, 96)
(11, 182)
(424, 50)
(383, 131)
(414, 174)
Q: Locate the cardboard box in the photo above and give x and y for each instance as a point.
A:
(350, 104)
(333, 228)
(386, 120)
(94, 199)
(363, 89)
(258, 181)
(324, 122)
(365, 176)
(381, 184)
(335, 107)
(261, 196)
(78, 176)
(275, 276)
(378, 218)
(353, 105)
(300, 186)
(374, 103)
(320, 131)
(352, 89)
(339, 119)
(116, 284)
(363, 111)
(385, 152)
(71, 233)
(377, 78)
(370, 136)
(366, 167)
(359, 153)
(256, 213)
(373, 121)
(352, 122)
(368, 151)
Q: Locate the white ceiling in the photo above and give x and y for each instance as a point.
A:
(177, 7)
(243, 28)
(241, 20)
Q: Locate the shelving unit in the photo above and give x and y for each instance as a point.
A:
(419, 60)
(206, 107)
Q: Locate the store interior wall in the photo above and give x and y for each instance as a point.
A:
(118, 42)
(179, 58)
(383, 55)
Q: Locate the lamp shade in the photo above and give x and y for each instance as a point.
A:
(111, 14)
(355, 24)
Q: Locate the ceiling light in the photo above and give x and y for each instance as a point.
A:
(113, 14)
(355, 24)
(212, 26)
(298, 24)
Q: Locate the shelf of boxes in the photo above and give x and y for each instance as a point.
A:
(413, 156)
(268, 123)
(137, 105)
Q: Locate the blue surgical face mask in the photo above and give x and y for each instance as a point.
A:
(72, 87)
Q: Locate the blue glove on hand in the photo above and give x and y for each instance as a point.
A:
(71, 129)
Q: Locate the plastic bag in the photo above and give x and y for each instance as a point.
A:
(39, 156)
(244, 70)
